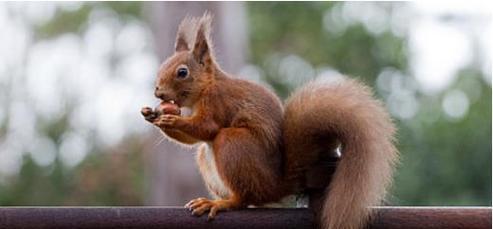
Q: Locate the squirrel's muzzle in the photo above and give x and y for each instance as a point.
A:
(162, 94)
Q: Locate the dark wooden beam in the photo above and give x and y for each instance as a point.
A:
(162, 217)
(432, 217)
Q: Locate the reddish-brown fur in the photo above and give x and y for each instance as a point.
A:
(256, 153)
(345, 112)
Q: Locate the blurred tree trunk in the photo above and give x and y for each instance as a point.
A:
(174, 177)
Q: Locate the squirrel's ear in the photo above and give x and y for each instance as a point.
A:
(202, 50)
(185, 34)
(181, 44)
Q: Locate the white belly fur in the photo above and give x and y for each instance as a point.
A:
(210, 174)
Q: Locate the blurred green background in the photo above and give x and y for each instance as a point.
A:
(73, 77)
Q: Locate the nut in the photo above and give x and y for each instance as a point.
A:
(168, 108)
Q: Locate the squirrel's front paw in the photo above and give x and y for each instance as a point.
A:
(167, 121)
(148, 114)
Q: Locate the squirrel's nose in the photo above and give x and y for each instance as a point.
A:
(159, 93)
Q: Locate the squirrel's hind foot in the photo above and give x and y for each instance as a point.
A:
(201, 205)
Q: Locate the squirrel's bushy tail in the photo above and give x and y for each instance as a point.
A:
(346, 110)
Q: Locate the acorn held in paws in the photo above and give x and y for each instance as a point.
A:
(167, 108)
(163, 108)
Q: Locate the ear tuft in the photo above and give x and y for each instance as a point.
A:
(186, 33)
(202, 49)
(205, 23)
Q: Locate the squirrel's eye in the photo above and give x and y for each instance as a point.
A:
(182, 73)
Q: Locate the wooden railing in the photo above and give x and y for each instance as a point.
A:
(163, 217)
(167, 217)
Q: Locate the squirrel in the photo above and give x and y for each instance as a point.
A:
(257, 151)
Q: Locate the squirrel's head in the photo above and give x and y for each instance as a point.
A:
(183, 75)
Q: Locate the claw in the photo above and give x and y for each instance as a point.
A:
(190, 204)
(212, 214)
(201, 205)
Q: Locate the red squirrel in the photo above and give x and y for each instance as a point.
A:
(256, 150)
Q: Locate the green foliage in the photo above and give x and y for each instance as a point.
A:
(75, 21)
(115, 178)
(297, 28)
(447, 162)
(36, 185)
(64, 22)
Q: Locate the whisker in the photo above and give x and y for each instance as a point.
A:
(156, 140)
(159, 143)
